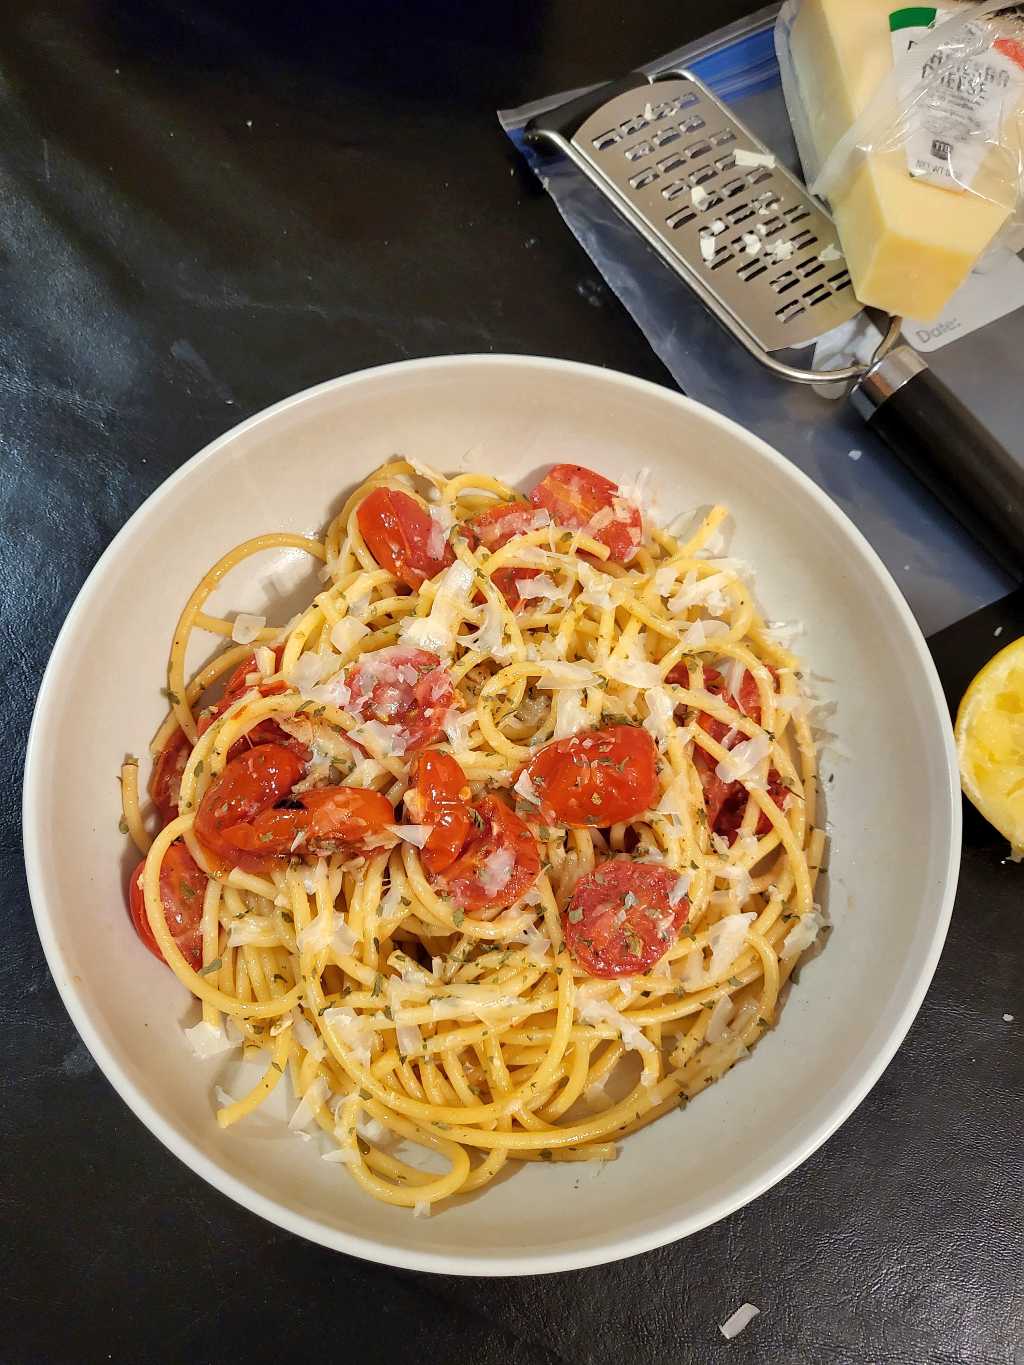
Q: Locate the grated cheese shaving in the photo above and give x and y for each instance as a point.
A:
(557, 675)
(436, 631)
(346, 633)
(742, 762)
(417, 835)
(802, 935)
(570, 715)
(702, 632)
(246, 627)
(310, 1103)
(743, 1317)
(206, 1040)
(600, 1012)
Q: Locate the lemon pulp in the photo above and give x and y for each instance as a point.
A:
(990, 742)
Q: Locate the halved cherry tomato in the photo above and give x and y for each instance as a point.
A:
(165, 779)
(329, 818)
(498, 863)
(401, 536)
(596, 778)
(253, 782)
(726, 802)
(621, 920)
(182, 887)
(581, 499)
(405, 688)
(495, 528)
(440, 796)
(267, 731)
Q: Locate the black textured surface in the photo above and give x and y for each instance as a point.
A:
(202, 209)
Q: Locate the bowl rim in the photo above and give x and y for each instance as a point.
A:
(612, 1248)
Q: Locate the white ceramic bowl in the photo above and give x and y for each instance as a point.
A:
(894, 806)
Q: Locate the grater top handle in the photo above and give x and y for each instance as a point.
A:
(565, 120)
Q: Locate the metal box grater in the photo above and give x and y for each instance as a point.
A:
(748, 238)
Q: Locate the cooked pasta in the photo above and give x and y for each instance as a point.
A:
(503, 848)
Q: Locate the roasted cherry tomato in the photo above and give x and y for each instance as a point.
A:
(495, 528)
(402, 537)
(596, 778)
(440, 796)
(578, 498)
(328, 818)
(250, 784)
(182, 888)
(621, 918)
(726, 802)
(165, 779)
(498, 863)
(404, 688)
(267, 731)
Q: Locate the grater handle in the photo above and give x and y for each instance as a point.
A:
(563, 121)
(947, 448)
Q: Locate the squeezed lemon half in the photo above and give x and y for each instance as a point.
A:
(990, 742)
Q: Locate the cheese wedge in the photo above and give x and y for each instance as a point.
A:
(909, 244)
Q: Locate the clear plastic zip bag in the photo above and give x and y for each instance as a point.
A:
(936, 108)
(941, 571)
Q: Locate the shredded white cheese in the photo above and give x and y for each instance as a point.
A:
(524, 787)
(251, 929)
(441, 522)
(570, 714)
(436, 631)
(266, 661)
(543, 586)
(310, 669)
(342, 1156)
(680, 890)
(600, 1012)
(352, 1031)
(660, 718)
(310, 1103)
(708, 592)
(317, 934)
(308, 1036)
(538, 945)
(488, 638)
(802, 935)
(742, 762)
(410, 1040)
(703, 632)
(417, 835)
(743, 1317)
(632, 672)
(206, 1040)
(383, 741)
(743, 157)
(246, 628)
(346, 633)
(726, 940)
(556, 675)
(496, 869)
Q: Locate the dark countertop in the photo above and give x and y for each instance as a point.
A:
(203, 208)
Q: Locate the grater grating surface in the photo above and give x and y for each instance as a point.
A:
(748, 238)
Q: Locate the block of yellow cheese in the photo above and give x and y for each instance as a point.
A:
(908, 243)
